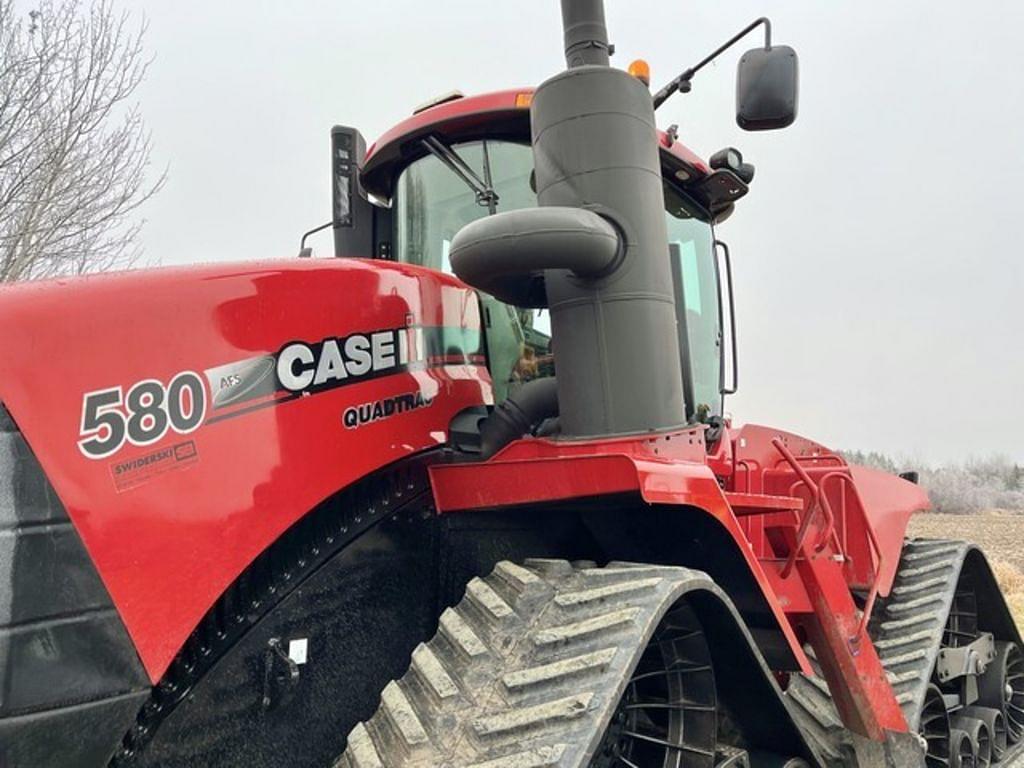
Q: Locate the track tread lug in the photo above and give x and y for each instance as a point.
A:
(522, 718)
(460, 634)
(600, 594)
(556, 670)
(433, 673)
(403, 716)
(518, 673)
(542, 757)
(362, 751)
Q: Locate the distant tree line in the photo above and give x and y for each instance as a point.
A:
(975, 485)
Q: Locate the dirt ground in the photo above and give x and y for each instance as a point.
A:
(999, 534)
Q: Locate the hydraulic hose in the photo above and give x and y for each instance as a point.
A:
(505, 255)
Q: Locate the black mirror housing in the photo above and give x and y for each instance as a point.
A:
(351, 212)
(766, 88)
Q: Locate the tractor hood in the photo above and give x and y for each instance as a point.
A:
(216, 405)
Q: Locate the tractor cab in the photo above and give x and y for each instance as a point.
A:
(464, 159)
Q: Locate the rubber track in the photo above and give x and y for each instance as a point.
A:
(524, 672)
(907, 631)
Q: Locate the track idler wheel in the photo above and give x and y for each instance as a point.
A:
(980, 741)
(935, 730)
(1002, 687)
(962, 752)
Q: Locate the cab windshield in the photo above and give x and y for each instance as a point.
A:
(431, 203)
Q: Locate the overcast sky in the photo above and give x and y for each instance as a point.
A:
(877, 257)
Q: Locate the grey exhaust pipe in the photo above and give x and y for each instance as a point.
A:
(613, 318)
(585, 33)
(506, 255)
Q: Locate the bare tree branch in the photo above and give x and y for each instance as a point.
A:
(74, 152)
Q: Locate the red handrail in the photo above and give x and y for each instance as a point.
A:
(817, 502)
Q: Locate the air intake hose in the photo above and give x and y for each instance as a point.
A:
(518, 414)
(505, 255)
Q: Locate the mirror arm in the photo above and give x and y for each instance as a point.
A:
(305, 253)
(682, 82)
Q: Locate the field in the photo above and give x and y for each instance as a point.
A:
(1000, 535)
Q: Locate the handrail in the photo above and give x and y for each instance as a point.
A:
(830, 520)
(748, 472)
(816, 503)
(827, 457)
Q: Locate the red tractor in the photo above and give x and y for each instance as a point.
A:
(470, 498)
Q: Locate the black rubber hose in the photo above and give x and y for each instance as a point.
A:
(505, 255)
(516, 416)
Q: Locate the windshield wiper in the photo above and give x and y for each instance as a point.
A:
(485, 194)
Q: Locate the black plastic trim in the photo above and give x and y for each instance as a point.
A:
(70, 677)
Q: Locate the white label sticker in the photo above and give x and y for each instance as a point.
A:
(298, 650)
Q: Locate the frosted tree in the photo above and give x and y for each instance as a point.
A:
(74, 153)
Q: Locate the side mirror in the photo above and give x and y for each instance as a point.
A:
(766, 88)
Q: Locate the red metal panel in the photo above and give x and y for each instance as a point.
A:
(169, 533)
(888, 503)
(803, 495)
(482, 104)
(848, 659)
(473, 114)
(664, 469)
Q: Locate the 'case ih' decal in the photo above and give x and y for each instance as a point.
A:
(150, 410)
(334, 362)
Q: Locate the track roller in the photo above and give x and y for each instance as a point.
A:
(1002, 688)
(996, 725)
(962, 752)
(980, 739)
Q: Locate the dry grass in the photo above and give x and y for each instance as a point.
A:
(1000, 535)
(1011, 581)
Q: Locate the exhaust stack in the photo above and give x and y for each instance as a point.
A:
(586, 37)
(614, 330)
(595, 147)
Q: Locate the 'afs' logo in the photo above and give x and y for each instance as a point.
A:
(244, 380)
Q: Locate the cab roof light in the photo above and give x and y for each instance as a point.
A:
(524, 100)
(442, 99)
(641, 70)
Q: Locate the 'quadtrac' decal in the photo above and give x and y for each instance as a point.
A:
(367, 413)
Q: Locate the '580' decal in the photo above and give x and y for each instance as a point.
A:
(110, 418)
